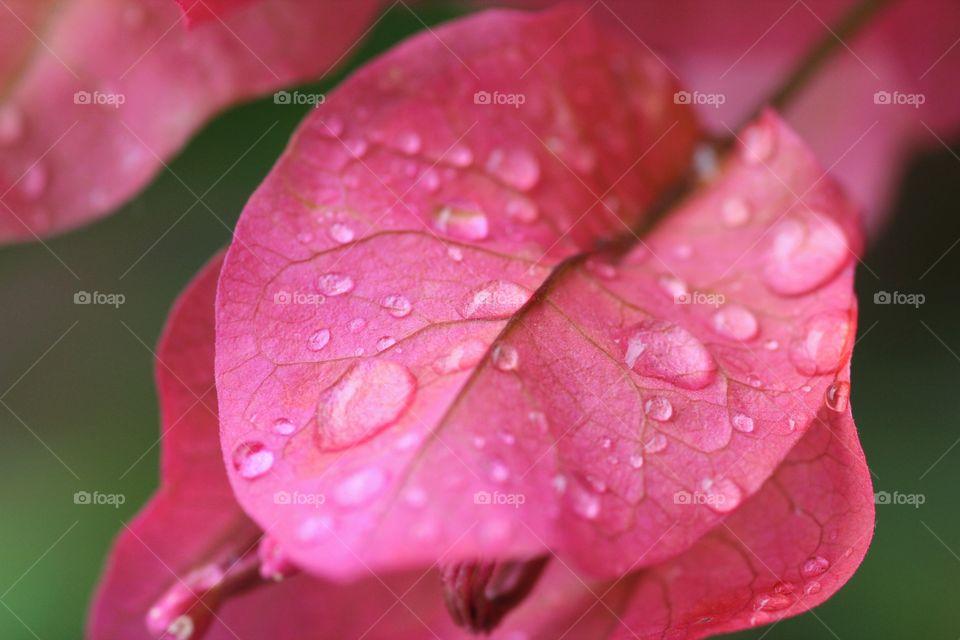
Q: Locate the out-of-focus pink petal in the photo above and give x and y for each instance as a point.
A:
(99, 94)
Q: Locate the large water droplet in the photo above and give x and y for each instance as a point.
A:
(495, 299)
(814, 566)
(396, 305)
(820, 344)
(516, 168)
(734, 322)
(837, 396)
(505, 357)
(360, 487)
(11, 124)
(658, 408)
(804, 254)
(663, 350)
(318, 340)
(334, 284)
(461, 357)
(462, 220)
(370, 397)
(252, 459)
(341, 233)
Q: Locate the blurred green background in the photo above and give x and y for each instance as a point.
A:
(79, 410)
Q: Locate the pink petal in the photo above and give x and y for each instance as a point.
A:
(117, 87)
(415, 293)
(199, 11)
(194, 513)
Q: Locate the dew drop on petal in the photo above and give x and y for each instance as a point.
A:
(516, 168)
(734, 322)
(655, 443)
(283, 427)
(837, 396)
(341, 233)
(722, 494)
(804, 254)
(814, 566)
(455, 253)
(658, 408)
(771, 345)
(522, 210)
(735, 211)
(819, 345)
(586, 503)
(318, 340)
(813, 587)
(499, 472)
(334, 284)
(495, 299)
(505, 357)
(396, 305)
(408, 142)
(370, 397)
(385, 342)
(663, 350)
(758, 143)
(461, 357)
(463, 220)
(743, 423)
(459, 156)
(636, 461)
(33, 182)
(772, 602)
(360, 487)
(674, 287)
(252, 459)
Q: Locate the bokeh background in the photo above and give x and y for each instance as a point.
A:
(79, 410)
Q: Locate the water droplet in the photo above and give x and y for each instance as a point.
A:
(283, 427)
(772, 602)
(252, 459)
(742, 423)
(759, 141)
(499, 472)
(734, 322)
(837, 396)
(586, 503)
(636, 461)
(663, 350)
(11, 124)
(813, 587)
(516, 168)
(771, 345)
(461, 357)
(459, 156)
(408, 142)
(455, 253)
(495, 299)
(655, 443)
(462, 220)
(523, 210)
(341, 233)
(820, 344)
(722, 494)
(505, 357)
(305, 237)
(334, 284)
(334, 126)
(804, 255)
(318, 340)
(735, 211)
(508, 438)
(559, 483)
(674, 287)
(430, 180)
(33, 182)
(370, 397)
(539, 420)
(814, 566)
(360, 487)
(606, 443)
(357, 148)
(396, 305)
(385, 342)
(658, 408)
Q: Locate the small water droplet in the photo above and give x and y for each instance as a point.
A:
(663, 350)
(523, 210)
(837, 396)
(658, 408)
(396, 305)
(341, 233)
(539, 420)
(360, 487)
(655, 443)
(771, 345)
(499, 472)
(334, 284)
(759, 141)
(408, 142)
(674, 287)
(318, 340)
(455, 253)
(505, 357)
(813, 587)
(601, 268)
(606, 443)
(479, 442)
(385, 342)
(252, 459)
(357, 148)
(772, 602)
(11, 124)
(734, 322)
(304, 237)
(495, 299)
(508, 438)
(33, 183)
(459, 156)
(283, 427)
(636, 461)
(461, 357)
(430, 180)
(516, 168)
(735, 211)
(334, 126)
(586, 503)
(814, 566)
(464, 220)
(370, 397)
(742, 423)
